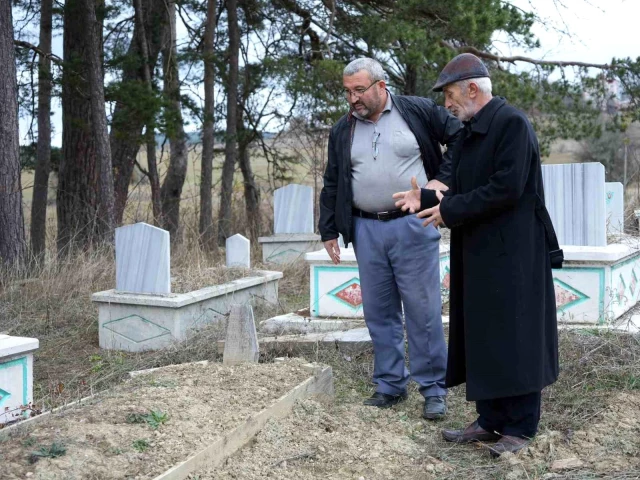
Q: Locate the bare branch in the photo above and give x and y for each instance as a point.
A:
(54, 58)
(520, 58)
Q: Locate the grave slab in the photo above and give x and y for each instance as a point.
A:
(238, 251)
(16, 376)
(615, 207)
(575, 197)
(143, 259)
(293, 209)
(241, 342)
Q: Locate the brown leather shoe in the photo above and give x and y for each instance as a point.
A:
(473, 433)
(508, 444)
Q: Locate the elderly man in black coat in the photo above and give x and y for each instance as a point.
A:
(503, 333)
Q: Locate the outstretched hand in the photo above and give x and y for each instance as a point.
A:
(409, 200)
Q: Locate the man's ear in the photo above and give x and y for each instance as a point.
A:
(473, 90)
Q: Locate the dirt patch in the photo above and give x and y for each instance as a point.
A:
(340, 441)
(117, 436)
(350, 441)
(611, 443)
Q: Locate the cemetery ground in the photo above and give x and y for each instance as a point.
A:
(590, 426)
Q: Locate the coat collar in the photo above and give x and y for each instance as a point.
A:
(481, 121)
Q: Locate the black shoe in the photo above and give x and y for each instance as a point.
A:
(508, 444)
(382, 400)
(435, 408)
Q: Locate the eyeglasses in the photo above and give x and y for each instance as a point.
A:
(358, 92)
(374, 145)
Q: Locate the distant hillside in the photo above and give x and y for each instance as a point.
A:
(195, 138)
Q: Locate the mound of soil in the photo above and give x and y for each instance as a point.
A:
(115, 436)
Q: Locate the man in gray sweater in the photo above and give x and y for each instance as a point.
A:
(374, 151)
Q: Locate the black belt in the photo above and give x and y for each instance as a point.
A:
(383, 216)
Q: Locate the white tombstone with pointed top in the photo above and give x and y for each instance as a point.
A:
(241, 342)
(143, 259)
(238, 251)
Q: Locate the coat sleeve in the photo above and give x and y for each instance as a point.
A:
(327, 223)
(506, 185)
(447, 130)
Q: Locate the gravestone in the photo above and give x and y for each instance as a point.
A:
(575, 198)
(143, 259)
(293, 209)
(614, 192)
(238, 251)
(241, 343)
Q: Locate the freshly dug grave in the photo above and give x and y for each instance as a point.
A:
(339, 441)
(350, 441)
(115, 435)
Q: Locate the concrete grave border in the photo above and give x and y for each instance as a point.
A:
(160, 320)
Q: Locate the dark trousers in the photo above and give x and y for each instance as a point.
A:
(514, 416)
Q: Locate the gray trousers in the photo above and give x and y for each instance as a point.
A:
(398, 262)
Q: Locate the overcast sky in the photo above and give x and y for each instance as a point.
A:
(600, 29)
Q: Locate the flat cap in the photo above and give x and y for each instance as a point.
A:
(461, 67)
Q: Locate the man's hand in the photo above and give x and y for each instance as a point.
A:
(409, 200)
(432, 215)
(333, 249)
(436, 185)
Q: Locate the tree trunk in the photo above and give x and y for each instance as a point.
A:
(78, 191)
(230, 152)
(43, 156)
(172, 187)
(251, 193)
(100, 131)
(128, 117)
(410, 80)
(150, 135)
(154, 178)
(12, 236)
(207, 233)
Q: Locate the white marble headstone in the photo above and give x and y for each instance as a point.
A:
(143, 259)
(238, 251)
(241, 342)
(293, 209)
(575, 198)
(614, 199)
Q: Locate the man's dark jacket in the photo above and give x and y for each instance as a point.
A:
(503, 328)
(432, 126)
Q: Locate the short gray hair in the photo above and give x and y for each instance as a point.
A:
(371, 66)
(483, 83)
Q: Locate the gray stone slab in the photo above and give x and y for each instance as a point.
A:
(575, 198)
(241, 342)
(293, 323)
(293, 209)
(238, 250)
(288, 247)
(143, 259)
(614, 192)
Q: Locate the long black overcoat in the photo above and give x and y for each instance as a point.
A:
(503, 328)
